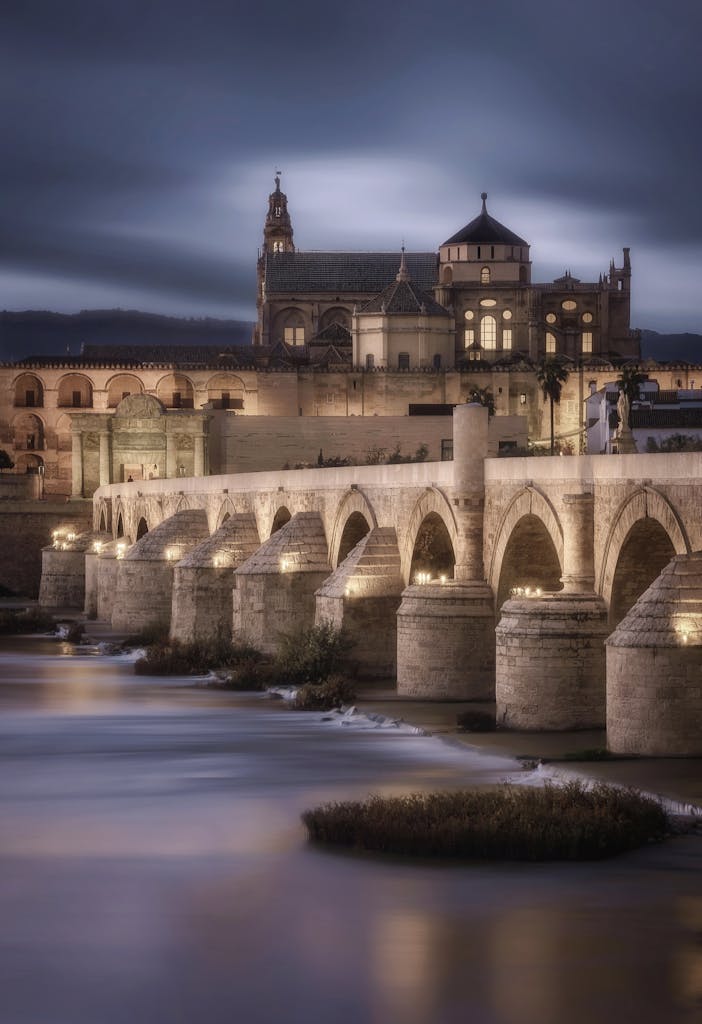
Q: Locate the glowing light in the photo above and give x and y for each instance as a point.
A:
(70, 536)
(443, 578)
(285, 564)
(120, 550)
(172, 554)
(219, 561)
(421, 578)
(97, 546)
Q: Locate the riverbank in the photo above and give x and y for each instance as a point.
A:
(678, 781)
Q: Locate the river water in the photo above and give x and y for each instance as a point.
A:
(153, 869)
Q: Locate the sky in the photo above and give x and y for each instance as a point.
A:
(140, 140)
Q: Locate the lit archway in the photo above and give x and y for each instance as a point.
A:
(530, 559)
(433, 551)
(29, 391)
(75, 392)
(120, 525)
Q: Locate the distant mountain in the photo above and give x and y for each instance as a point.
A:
(39, 333)
(672, 348)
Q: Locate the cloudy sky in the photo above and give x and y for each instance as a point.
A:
(140, 139)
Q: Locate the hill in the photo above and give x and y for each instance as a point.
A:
(36, 332)
(672, 348)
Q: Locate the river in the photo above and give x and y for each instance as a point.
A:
(153, 868)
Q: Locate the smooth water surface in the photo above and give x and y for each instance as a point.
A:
(153, 868)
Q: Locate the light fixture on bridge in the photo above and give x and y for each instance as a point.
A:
(97, 546)
(70, 536)
(422, 578)
(285, 563)
(120, 550)
(443, 578)
(172, 554)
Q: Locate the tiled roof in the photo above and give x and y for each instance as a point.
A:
(344, 272)
(485, 229)
(404, 297)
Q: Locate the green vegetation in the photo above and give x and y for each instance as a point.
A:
(15, 621)
(507, 823)
(311, 655)
(173, 658)
(484, 397)
(327, 696)
(551, 375)
(629, 381)
(309, 659)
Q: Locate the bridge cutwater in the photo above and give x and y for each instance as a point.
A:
(567, 589)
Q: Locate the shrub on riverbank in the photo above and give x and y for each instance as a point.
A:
(476, 721)
(327, 696)
(311, 655)
(173, 658)
(16, 621)
(508, 823)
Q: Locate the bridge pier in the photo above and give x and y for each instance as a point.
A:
(203, 581)
(92, 555)
(144, 591)
(445, 631)
(654, 667)
(550, 662)
(445, 642)
(63, 570)
(275, 588)
(362, 597)
(108, 559)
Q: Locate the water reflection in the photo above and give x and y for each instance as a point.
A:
(153, 868)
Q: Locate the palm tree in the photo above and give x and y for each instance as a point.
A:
(629, 382)
(551, 376)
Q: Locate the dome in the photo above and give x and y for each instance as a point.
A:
(484, 229)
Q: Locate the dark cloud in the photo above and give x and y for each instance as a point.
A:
(139, 139)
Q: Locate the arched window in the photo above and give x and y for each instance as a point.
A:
(550, 342)
(587, 341)
(277, 247)
(485, 275)
(447, 275)
(370, 360)
(294, 329)
(488, 332)
(403, 361)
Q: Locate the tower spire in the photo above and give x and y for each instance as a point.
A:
(277, 230)
(483, 196)
(403, 273)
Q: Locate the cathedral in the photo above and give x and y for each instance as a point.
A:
(350, 350)
(472, 301)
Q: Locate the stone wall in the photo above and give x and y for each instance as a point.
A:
(25, 528)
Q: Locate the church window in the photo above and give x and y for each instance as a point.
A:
(587, 318)
(469, 314)
(277, 247)
(468, 337)
(294, 335)
(478, 252)
(507, 337)
(506, 314)
(277, 211)
(485, 275)
(492, 252)
(569, 305)
(403, 361)
(370, 363)
(550, 318)
(550, 343)
(587, 341)
(488, 332)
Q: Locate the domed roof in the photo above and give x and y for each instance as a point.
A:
(402, 296)
(484, 229)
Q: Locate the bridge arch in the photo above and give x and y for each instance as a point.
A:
(281, 517)
(142, 528)
(433, 525)
(645, 534)
(529, 525)
(225, 511)
(353, 512)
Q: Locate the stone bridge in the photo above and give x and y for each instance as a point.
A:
(418, 561)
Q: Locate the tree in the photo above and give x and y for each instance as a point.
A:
(629, 382)
(483, 396)
(551, 376)
(5, 460)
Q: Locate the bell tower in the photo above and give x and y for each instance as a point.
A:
(277, 231)
(277, 238)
